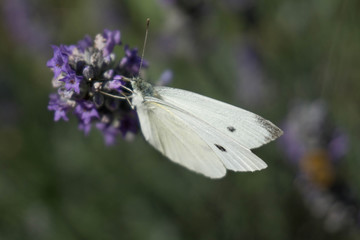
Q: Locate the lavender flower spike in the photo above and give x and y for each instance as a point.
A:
(88, 81)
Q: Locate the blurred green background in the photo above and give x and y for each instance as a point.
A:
(56, 183)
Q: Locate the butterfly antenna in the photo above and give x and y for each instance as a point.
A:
(145, 40)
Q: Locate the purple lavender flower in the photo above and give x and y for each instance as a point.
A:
(60, 107)
(115, 84)
(110, 132)
(127, 125)
(89, 83)
(338, 144)
(107, 41)
(72, 82)
(84, 43)
(131, 62)
(86, 111)
(85, 127)
(112, 38)
(59, 62)
(67, 49)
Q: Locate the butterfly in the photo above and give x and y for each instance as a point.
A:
(200, 133)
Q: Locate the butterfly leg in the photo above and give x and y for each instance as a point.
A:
(127, 99)
(127, 89)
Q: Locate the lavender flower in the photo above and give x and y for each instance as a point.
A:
(87, 78)
(72, 82)
(112, 39)
(84, 43)
(115, 83)
(130, 63)
(110, 132)
(59, 106)
(86, 111)
(59, 63)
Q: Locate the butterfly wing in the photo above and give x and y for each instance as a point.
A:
(244, 127)
(173, 138)
(191, 142)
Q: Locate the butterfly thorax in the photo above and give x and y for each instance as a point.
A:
(142, 89)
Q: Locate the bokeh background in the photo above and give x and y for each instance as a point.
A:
(293, 62)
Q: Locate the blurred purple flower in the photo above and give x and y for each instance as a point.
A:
(338, 144)
(85, 127)
(314, 146)
(110, 133)
(307, 128)
(251, 87)
(24, 27)
(165, 78)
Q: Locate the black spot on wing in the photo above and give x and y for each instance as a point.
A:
(221, 148)
(231, 128)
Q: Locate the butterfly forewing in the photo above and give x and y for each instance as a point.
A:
(248, 129)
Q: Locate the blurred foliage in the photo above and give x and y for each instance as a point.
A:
(56, 183)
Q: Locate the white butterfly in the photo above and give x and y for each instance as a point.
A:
(202, 134)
